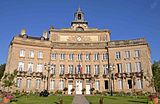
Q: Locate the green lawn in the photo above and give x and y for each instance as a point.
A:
(43, 100)
(117, 100)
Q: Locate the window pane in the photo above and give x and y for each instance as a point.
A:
(22, 53)
(105, 56)
(53, 56)
(52, 84)
(31, 54)
(20, 66)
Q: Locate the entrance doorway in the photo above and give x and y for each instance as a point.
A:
(88, 87)
(78, 87)
(69, 89)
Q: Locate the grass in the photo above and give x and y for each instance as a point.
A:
(43, 100)
(117, 100)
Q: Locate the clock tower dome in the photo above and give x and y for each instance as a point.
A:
(79, 23)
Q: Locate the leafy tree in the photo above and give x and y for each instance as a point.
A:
(2, 69)
(156, 75)
(8, 80)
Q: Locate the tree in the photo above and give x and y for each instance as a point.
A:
(8, 80)
(156, 75)
(2, 69)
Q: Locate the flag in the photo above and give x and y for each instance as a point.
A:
(81, 69)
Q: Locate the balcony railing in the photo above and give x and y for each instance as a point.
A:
(128, 75)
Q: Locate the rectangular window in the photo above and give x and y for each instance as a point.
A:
(79, 56)
(71, 56)
(127, 54)
(39, 67)
(30, 67)
(129, 84)
(38, 83)
(138, 66)
(106, 84)
(52, 84)
(22, 53)
(53, 69)
(88, 56)
(117, 55)
(21, 66)
(70, 71)
(119, 67)
(40, 55)
(53, 56)
(128, 67)
(28, 84)
(61, 85)
(88, 69)
(79, 68)
(105, 56)
(96, 56)
(120, 84)
(105, 68)
(31, 54)
(18, 82)
(97, 85)
(96, 68)
(139, 84)
(62, 69)
(62, 56)
(137, 53)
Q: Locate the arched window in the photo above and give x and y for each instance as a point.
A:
(79, 16)
(79, 29)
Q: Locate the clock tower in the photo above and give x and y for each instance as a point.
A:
(79, 22)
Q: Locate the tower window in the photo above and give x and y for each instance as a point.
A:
(79, 29)
(79, 16)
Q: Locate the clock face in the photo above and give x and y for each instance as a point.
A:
(79, 38)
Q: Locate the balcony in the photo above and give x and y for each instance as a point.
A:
(128, 75)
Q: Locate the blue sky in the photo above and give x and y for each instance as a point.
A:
(126, 19)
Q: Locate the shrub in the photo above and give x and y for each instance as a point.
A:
(52, 93)
(105, 93)
(122, 93)
(92, 89)
(58, 92)
(72, 90)
(44, 93)
(65, 89)
(97, 92)
(129, 94)
(83, 90)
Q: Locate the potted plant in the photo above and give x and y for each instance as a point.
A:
(83, 90)
(65, 89)
(72, 90)
(91, 90)
(104, 75)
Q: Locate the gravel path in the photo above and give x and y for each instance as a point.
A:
(80, 99)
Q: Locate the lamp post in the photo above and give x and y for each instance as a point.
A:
(110, 68)
(47, 68)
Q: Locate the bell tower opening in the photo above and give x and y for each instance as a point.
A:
(79, 16)
(79, 21)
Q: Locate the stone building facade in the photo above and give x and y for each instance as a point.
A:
(79, 57)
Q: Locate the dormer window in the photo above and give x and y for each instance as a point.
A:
(79, 29)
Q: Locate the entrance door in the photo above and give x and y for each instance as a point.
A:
(88, 87)
(69, 89)
(78, 87)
